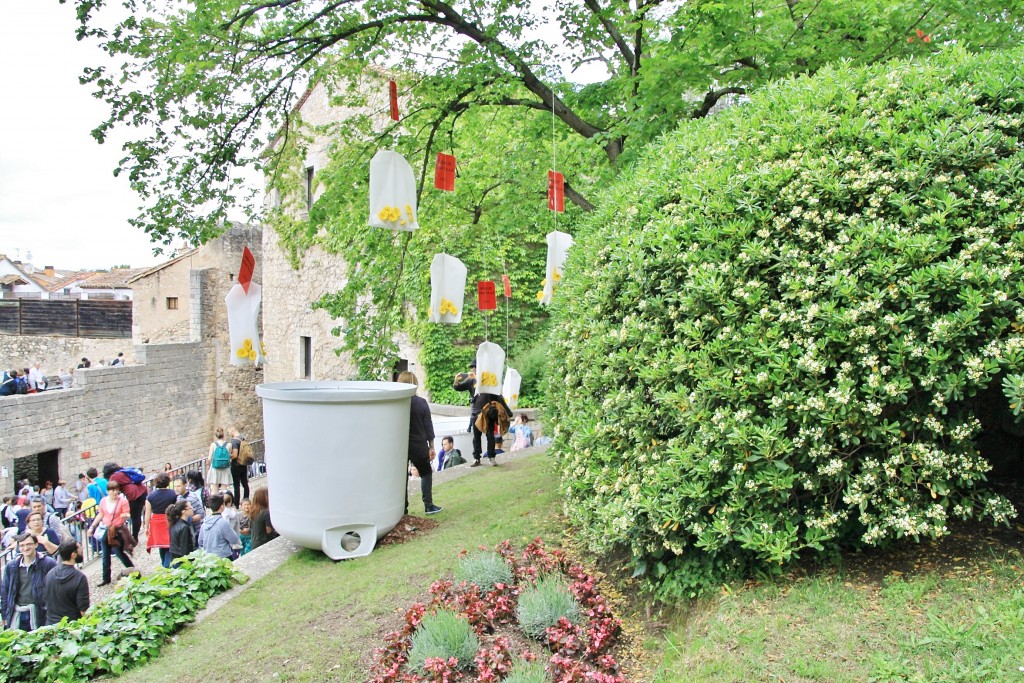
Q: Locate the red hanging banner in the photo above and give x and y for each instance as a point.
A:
(556, 191)
(486, 300)
(507, 284)
(393, 88)
(444, 172)
(245, 270)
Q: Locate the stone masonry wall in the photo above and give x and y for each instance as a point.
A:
(141, 415)
(288, 293)
(18, 351)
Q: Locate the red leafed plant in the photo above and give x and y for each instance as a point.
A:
(579, 653)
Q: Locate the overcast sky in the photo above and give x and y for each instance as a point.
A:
(59, 199)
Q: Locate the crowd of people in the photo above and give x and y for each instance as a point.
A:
(46, 529)
(33, 380)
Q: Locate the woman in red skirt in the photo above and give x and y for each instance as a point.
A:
(155, 524)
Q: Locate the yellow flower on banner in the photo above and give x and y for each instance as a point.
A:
(246, 351)
(448, 307)
(389, 214)
(556, 276)
(409, 213)
(488, 379)
(540, 295)
(515, 397)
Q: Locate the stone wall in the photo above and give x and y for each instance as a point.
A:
(288, 293)
(152, 321)
(17, 351)
(143, 415)
(235, 400)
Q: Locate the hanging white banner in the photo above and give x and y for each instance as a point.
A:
(558, 249)
(392, 192)
(510, 387)
(243, 325)
(447, 289)
(490, 361)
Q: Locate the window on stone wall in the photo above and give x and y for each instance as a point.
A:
(172, 303)
(306, 357)
(309, 188)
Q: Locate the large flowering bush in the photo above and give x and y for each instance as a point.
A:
(768, 336)
(570, 652)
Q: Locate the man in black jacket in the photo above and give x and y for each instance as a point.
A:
(67, 589)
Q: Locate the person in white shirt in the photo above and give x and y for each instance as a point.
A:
(36, 378)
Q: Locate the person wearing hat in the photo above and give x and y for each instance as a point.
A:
(466, 381)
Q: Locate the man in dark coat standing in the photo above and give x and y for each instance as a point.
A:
(23, 588)
(466, 381)
(67, 589)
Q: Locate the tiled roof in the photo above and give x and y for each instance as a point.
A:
(57, 282)
(115, 279)
(12, 279)
(143, 272)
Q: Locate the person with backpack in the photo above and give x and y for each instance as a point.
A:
(9, 383)
(132, 483)
(219, 476)
(241, 458)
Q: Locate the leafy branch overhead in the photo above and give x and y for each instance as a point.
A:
(202, 86)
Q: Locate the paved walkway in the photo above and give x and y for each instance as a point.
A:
(265, 559)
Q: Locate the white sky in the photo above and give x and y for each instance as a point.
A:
(59, 199)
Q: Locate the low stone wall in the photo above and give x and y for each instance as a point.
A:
(143, 415)
(55, 353)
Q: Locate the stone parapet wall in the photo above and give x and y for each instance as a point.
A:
(141, 415)
(60, 352)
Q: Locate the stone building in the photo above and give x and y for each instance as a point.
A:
(298, 338)
(161, 294)
(163, 406)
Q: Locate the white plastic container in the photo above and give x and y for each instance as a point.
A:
(337, 455)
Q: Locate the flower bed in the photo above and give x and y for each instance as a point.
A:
(568, 652)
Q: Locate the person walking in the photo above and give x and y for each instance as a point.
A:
(241, 457)
(66, 588)
(182, 541)
(155, 523)
(219, 474)
(113, 513)
(22, 591)
(134, 489)
(421, 446)
(61, 499)
(489, 412)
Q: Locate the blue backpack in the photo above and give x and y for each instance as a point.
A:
(135, 474)
(221, 457)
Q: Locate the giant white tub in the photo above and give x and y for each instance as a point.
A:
(337, 455)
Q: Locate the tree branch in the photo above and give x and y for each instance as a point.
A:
(711, 99)
(627, 54)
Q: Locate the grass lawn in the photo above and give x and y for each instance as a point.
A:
(946, 611)
(317, 620)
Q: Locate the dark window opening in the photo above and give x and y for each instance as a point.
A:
(306, 357)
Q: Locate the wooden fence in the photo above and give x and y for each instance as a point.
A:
(66, 318)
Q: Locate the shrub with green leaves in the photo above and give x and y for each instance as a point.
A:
(484, 569)
(542, 605)
(121, 632)
(443, 634)
(771, 333)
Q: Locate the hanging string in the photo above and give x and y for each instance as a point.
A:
(554, 157)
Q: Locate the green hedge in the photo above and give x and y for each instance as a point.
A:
(121, 632)
(769, 331)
